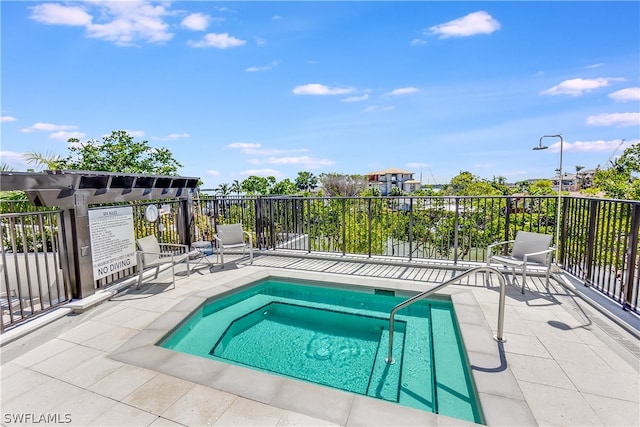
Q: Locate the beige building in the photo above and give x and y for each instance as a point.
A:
(386, 179)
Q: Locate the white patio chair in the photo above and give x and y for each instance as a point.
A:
(229, 236)
(528, 249)
(154, 254)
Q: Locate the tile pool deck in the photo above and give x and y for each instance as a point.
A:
(563, 363)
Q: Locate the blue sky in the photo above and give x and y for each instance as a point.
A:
(273, 88)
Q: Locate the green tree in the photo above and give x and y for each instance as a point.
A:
(620, 180)
(306, 181)
(467, 184)
(258, 185)
(286, 186)
(223, 190)
(236, 187)
(117, 152)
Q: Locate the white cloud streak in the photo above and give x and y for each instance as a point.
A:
(356, 98)
(403, 91)
(262, 172)
(320, 89)
(7, 119)
(626, 95)
(577, 87)
(374, 108)
(218, 41)
(592, 146)
(615, 119)
(64, 136)
(263, 68)
(470, 25)
(47, 127)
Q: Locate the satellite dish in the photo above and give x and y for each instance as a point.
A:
(151, 213)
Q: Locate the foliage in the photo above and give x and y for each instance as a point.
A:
(117, 152)
(621, 179)
(337, 184)
(306, 181)
(258, 185)
(286, 186)
(467, 184)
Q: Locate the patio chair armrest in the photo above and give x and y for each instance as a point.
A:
(250, 237)
(493, 245)
(546, 251)
(177, 246)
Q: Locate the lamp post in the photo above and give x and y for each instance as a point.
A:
(543, 147)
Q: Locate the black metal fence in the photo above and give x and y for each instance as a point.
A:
(599, 240)
(598, 243)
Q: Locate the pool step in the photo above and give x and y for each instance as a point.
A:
(385, 378)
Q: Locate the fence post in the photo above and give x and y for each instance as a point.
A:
(456, 224)
(410, 228)
(369, 225)
(344, 228)
(591, 233)
(507, 222)
(633, 266)
(259, 221)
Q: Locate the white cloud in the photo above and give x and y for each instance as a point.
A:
(615, 119)
(628, 94)
(378, 108)
(196, 22)
(576, 87)
(592, 146)
(417, 165)
(306, 161)
(245, 147)
(219, 41)
(12, 158)
(46, 127)
(263, 68)
(470, 25)
(261, 172)
(121, 22)
(595, 65)
(418, 42)
(56, 14)
(276, 17)
(213, 172)
(174, 136)
(403, 91)
(7, 119)
(135, 133)
(319, 89)
(356, 98)
(64, 136)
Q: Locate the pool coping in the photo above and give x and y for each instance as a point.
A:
(501, 400)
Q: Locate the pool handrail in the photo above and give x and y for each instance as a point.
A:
(486, 269)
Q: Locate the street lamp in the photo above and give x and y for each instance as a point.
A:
(543, 147)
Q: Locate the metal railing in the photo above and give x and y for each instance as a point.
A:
(31, 274)
(485, 269)
(599, 240)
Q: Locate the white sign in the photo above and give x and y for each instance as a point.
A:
(113, 245)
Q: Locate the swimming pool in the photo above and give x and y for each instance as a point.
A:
(338, 337)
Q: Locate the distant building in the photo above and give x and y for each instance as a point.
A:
(387, 179)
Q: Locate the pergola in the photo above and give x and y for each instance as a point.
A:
(73, 191)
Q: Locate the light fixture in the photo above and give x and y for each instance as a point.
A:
(543, 147)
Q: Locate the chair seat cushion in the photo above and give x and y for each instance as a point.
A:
(507, 260)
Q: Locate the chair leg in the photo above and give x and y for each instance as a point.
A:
(221, 251)
(524, 277)
(173, 274)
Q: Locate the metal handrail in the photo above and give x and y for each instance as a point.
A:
(486, 269)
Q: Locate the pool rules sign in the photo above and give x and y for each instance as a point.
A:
(113, 246)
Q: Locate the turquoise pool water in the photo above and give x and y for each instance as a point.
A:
(339, 338)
